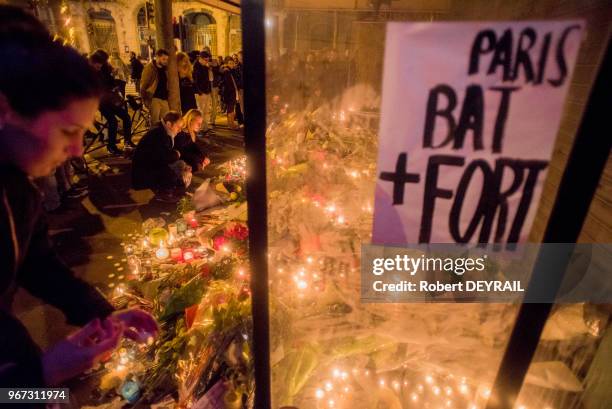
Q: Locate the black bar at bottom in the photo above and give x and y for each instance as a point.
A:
(580, 179)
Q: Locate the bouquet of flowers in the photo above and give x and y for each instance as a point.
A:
(232, 238)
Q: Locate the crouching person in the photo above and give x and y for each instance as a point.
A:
(157, 164)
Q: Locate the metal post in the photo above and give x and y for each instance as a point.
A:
(335, 40)
(586, 163)
(255, 144)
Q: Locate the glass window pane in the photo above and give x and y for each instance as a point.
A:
(323, 88)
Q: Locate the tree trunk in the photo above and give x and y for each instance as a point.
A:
(165, 40)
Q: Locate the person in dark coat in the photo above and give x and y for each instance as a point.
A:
(193, 56)
(154, 162)
(239, 75)
(185, 141)
(136, 68)
(203, 77)
(112, 104)
(230, 91)
(186, 86)
(36, 135)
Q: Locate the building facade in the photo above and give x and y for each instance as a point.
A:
(124, 26)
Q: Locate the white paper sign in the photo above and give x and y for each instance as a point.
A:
(470, 113)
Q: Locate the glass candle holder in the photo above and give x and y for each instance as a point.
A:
(173, 229)
(162, 252)
(188, 255)
(181, 226)
(176, 254)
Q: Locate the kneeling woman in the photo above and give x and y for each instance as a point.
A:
(157, 165)
(186, 144)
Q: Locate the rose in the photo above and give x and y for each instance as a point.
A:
(237, 232)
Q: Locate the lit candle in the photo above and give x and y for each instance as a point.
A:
(188, 255)
(176, 254)
(162, 252)
(134, 265)
(119, 290)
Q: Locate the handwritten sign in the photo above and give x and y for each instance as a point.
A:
(470, 113)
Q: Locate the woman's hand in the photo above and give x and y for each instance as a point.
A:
(80, 351)
(205, 162)
(138, 325)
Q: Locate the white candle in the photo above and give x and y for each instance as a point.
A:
(162, 252)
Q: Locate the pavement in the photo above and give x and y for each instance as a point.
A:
(88, 232)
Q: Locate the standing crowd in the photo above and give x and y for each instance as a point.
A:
(167, 155)
(211, 85)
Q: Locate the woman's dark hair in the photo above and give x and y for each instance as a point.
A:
(161, 52)
(37, 74)
(172, 117)
(18, 25)
(99, 56)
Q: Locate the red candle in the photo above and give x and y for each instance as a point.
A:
(176, 254)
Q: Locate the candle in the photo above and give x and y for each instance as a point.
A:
(173, 229)
(134, 265)
(146, 267)
(162, 252)
(130, 391)
(119, 290)
(176, 254)
(188, 255)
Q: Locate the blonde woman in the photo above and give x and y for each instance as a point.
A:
(185, 141)
(186, 86)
